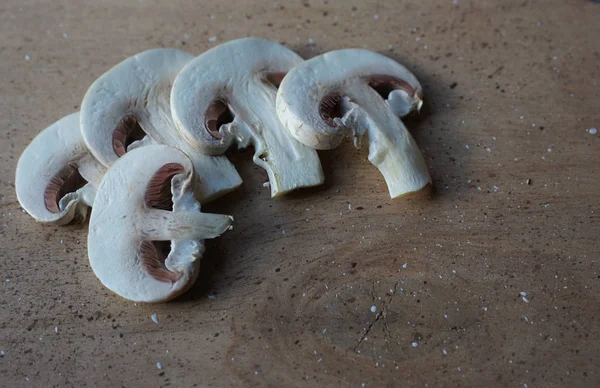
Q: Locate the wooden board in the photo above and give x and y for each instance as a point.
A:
(332, 286)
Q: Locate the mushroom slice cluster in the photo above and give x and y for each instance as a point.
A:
(56, 175)
(146, 149)
(128, 107)
(357, 93)
(228, 95)
(146, 229)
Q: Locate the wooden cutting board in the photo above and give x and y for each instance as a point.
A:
(337, 285)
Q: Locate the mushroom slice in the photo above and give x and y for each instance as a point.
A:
(56, 176)
(228, 95)
(146, 230)
(354, 93)
(128, 107)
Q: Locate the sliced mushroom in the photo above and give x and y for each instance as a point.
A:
(228, 95)
(128, 107)
(56, 176)
(352, 93)
(146, 229)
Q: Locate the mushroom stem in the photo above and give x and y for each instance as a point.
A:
(392, 149)
(288, 163)
(163, 225)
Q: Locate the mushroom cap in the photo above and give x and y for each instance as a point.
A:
(137, 89)
(121, 246)
(325, 79)
(224, 72)
(52, 171)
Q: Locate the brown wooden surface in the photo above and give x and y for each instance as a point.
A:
(285, 299)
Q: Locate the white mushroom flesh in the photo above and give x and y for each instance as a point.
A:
(56, 176)
(228, 95)
(146, 230)
(128, 107)
(355, 93)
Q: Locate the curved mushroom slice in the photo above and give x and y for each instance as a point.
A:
(145, 232)
(53, 174)
(228, 94)
(339, 94)
(128, 107)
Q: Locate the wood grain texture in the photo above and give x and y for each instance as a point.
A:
(286, 298)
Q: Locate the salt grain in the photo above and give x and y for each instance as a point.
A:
(154, 318)
(593, 131)
(27, 57)
(373, 308)
(159, 365)
(415, 344)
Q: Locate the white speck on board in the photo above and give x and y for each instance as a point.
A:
(212, 39)
(159, 365)
(27, 57)
(154, 318)
(593, 131)
(373, 308)
(415, 344)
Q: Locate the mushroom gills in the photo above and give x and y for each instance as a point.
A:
(274, 78)
(127, 131)
(399, 95)
(217, 115)
(66, 180)
(152, 255)
(158, 193)
(330, 108)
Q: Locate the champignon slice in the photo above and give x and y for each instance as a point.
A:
(56, 176)
(128, 107)
(146, 230)
(228, 94)
(351, 93)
